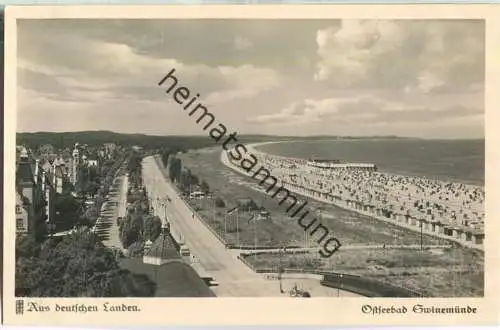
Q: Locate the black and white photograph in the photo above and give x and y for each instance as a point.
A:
(206, 158)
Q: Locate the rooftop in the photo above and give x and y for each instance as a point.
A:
(163, 248)
(174, 279)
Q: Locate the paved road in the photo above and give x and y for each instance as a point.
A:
(234, 278)
(115, 207)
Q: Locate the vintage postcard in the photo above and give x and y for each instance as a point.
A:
(197, 165)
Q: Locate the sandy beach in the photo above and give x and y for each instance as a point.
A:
(449, 210)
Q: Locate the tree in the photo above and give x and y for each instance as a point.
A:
(26, 247)
(90, 188)
(193, 179)
(152, 228)
(67, 210)
(131, 229)
(248, 205)
(184, 181)
(175, 169)
(165, 155)
(67, 187)
(78, 265)
(219, 202)
(205, 187)
(136, 249)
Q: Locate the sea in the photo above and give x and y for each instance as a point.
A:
(449, 160)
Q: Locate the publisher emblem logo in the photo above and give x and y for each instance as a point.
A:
(19, 307)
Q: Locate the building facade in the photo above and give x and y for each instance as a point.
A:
(34, 195)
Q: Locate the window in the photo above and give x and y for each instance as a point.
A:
(20, 224)
(18, 209)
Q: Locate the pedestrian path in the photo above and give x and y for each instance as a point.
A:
(106, 226)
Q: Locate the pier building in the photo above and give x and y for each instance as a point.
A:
(341, 165)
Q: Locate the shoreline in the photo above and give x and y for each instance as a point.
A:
(252, 149)
(413, 224)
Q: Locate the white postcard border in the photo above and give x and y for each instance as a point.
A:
(269, 311)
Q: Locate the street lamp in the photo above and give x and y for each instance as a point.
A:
(254, 235)
(225, 227)
(213, 208)
(237, 227)
(421, 236)
(339, 285)
(164, 210)
(280, 270)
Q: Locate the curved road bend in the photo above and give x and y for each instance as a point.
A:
(232, 276)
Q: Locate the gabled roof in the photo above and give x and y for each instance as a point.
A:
(46, 166)
(173, 279)
(163, 248)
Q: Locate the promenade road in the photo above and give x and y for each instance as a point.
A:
(233, 277)
(107, 227)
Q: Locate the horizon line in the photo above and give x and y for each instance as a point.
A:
(263, 134)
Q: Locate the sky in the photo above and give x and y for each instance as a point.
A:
(422, 78)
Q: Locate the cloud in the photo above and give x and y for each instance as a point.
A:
(365, 109)
(423, 56)
(371, 77)
(98, 70)
(293, 114)
(244, 82)
(303, 112)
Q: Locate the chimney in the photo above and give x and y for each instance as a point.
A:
(37, 162)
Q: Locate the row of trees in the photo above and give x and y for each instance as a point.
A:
(105, 178)
(136, 229)
(98, 138)
(93, 182)
(249, 205)
(134, 168)
(138, 226)
(184, 178)
(68, 212)
(88, 180)
(174, 169)
(78, 265)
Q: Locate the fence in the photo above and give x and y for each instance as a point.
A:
(347, 282)
(366, 287)
(216, 234)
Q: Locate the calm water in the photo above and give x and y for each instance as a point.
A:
(455, 160)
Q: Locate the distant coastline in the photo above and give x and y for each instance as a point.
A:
(268, 137)
(394, 168)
